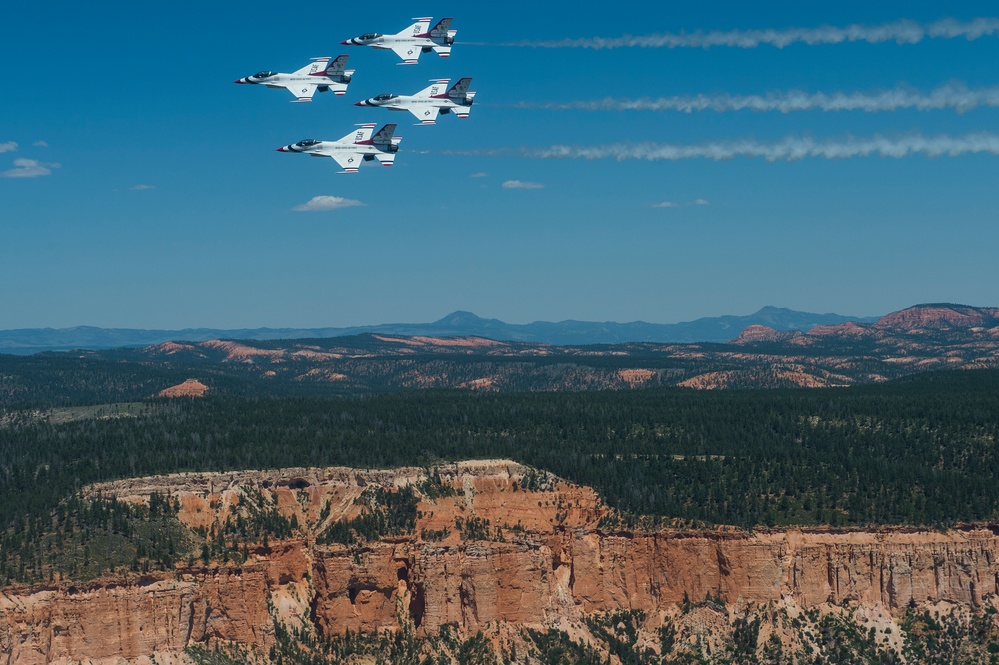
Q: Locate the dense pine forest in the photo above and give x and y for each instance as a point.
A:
(921, 451)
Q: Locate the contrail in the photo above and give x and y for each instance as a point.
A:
(954, 96)
(904, 31)
(790, 149)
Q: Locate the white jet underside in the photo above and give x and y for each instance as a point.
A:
(361, 145)
(320, 75)
(412, 42)
(427, 104)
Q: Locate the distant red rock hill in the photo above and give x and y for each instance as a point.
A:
(190, 388)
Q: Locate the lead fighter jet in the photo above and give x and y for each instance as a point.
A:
(412, 41)
(321, 75)
(427, 103)
(362, 145)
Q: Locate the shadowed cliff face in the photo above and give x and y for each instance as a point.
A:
(490, 545)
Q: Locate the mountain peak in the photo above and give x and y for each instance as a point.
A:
(460, 318)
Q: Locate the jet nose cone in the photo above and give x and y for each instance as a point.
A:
(346, 42)
(360, 103)
(283, 148)
(239, 81)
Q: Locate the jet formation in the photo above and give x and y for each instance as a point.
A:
(365, 144)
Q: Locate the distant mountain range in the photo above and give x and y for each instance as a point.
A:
(26, 341)
(918, 339)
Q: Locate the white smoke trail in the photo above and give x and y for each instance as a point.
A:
(904, 31)
(954, 96)
(790, 149)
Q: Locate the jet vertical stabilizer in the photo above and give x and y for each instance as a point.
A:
(336, 73)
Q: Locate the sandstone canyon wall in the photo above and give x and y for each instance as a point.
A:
(551, 556)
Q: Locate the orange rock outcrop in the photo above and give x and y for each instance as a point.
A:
(548, 555)
(190, 388)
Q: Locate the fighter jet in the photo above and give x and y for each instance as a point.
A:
(427, 103)
(321, 75)
(362, 145)
(412, 41)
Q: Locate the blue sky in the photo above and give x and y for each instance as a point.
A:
(170, 208)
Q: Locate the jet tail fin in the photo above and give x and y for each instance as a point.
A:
(384, 136)
(441, 31)
(336, 72)
(337, 66)
(459, 90)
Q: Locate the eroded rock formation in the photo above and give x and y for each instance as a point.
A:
(494, 543)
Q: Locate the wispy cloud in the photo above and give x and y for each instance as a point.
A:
(480, 174)
(902, 32)
(954, 96)
(321, 203)
(674, 204)
(787, 150)
(9, 146)
(40, 144)
(29, 168)
(140, 188)
(519, 184)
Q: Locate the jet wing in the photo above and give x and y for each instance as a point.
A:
(409, 53)
(349, 161)
(428, 115)
(303, 91)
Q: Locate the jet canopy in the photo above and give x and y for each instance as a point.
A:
(307, 143)
(385, 97)
(370, 35)
(264, 75)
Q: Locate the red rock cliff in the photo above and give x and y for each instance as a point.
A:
(546, 562)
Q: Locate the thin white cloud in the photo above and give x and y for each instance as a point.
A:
(518, 184)
(9, 146)
(40, 144)
(320, 203)
(902, 32)
(140, 188)
(674, 204)
(29, 168)
(480, 174)
(953, 96)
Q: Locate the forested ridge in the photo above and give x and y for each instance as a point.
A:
(921, 451)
